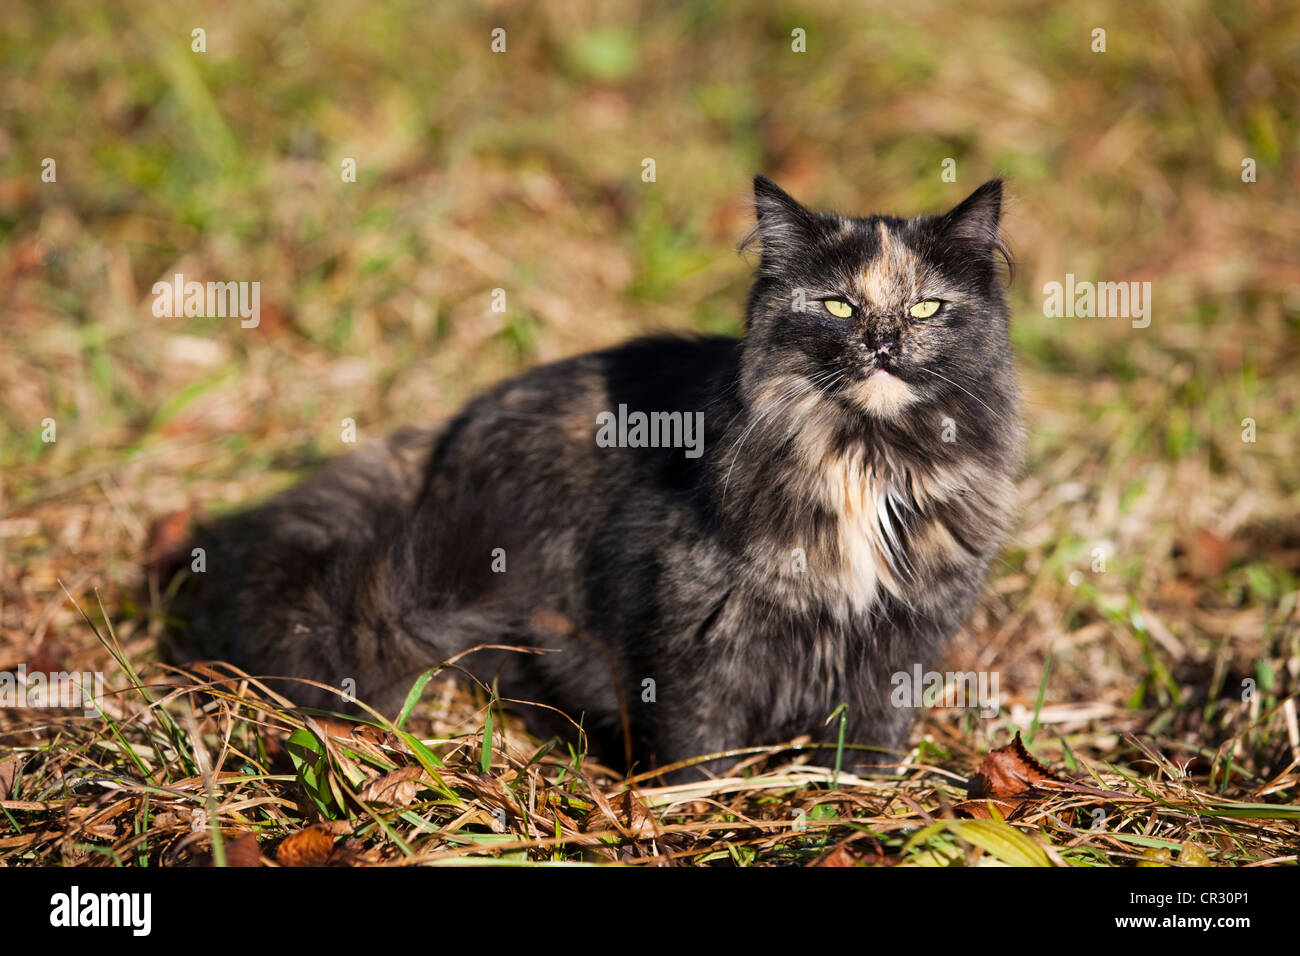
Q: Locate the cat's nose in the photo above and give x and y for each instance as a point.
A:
(882, 343)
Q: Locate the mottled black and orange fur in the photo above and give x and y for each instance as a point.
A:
(836, 529)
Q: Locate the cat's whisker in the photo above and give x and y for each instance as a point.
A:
(955, 385)
(796, 391)
(799, 389)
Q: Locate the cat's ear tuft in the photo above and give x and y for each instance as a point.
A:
(783, 227)
(975, 219)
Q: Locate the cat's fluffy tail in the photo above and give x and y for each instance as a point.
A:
(313, 583)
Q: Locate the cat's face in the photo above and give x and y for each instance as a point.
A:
(886, 317)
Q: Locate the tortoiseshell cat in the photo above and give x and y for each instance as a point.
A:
(854, 483)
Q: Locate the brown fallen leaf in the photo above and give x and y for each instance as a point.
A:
(352, 852)
(567, 823)
(839, 856)
(273, 318)
(1007, 772)
(486, 789)
(244, 851)
(633, 815)
(395, 789)
(983, 809)
(1208, 555)
(1007, 779)
(11, 771)
(339, 727)
(310, 847)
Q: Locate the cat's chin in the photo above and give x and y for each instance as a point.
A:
(882, 394)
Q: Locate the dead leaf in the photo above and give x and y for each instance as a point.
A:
(633, 815)
(395, 789)
(567, 824)
(339, 727)
(310, 847)
(486, 789)
(1208, 556)
(244, 851)
(1008, 772)
(352, 852)
(840, 856)
(273, 318)
(11, 771)
(983, 809)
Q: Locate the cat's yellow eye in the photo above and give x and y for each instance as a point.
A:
(841, 310)
(923, 310)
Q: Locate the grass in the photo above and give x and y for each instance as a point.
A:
(1156, 561)
(185, 769)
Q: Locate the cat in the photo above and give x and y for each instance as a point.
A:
(830, 529)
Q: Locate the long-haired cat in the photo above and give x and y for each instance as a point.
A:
(829, 527)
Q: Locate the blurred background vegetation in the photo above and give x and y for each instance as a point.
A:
(522, 170)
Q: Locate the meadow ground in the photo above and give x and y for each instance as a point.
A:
(1142, 620)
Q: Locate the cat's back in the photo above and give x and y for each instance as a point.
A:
(571, 422)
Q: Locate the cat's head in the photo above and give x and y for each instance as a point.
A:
(886, 317)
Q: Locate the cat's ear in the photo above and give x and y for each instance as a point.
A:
(784, 227)
(974, 221)
(971, 228)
